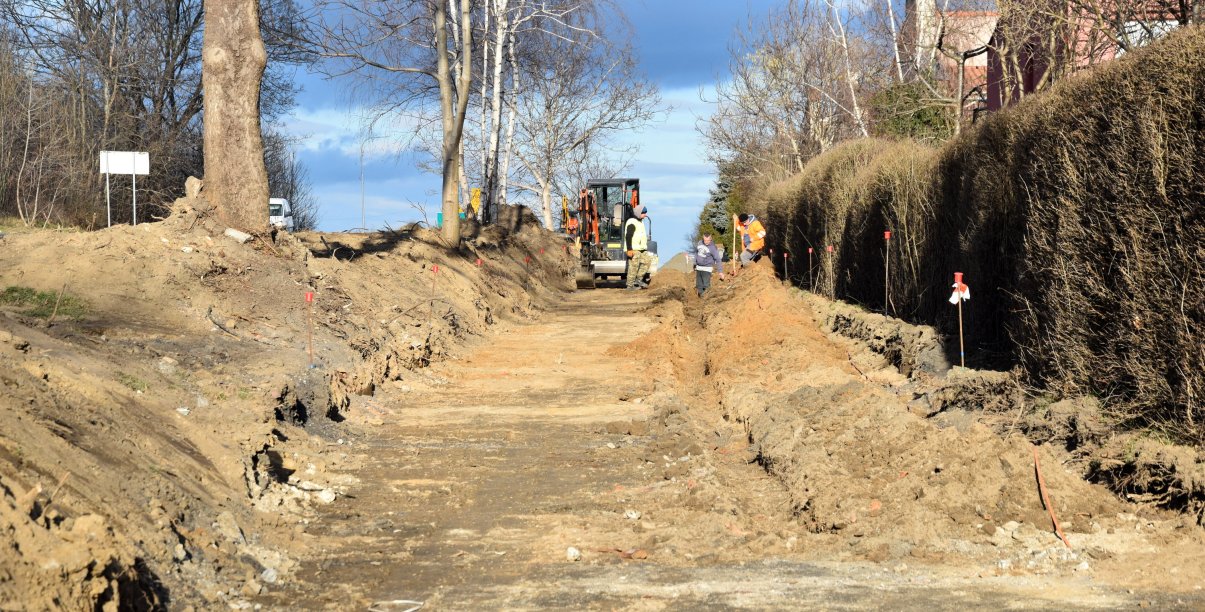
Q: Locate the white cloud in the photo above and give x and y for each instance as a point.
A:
(675, 176)
(332, 128)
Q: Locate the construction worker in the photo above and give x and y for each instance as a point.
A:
(571, 225)
(707, 260)
(636, 244)
(753, 237)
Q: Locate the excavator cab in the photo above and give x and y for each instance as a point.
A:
(604, 206)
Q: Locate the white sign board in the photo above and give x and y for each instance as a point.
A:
(132, 163)
(125, 162)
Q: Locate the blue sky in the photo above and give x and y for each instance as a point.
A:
(682, 46)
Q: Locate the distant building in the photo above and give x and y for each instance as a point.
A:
(962, 65)
(950, 47)
(1044, 40)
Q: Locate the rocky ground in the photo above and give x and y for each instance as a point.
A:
(473, 432)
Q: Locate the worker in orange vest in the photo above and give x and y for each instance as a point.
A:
(753, 237)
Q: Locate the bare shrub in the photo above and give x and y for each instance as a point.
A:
(1076, 217)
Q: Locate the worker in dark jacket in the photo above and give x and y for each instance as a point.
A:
(707, 261)
(636, 245)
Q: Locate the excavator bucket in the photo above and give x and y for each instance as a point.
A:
(585, 279)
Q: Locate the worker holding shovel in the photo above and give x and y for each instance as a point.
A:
(753, 238)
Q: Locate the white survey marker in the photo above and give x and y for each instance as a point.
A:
(961, 293)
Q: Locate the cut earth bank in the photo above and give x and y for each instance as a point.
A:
(170, 447)
(162, 431)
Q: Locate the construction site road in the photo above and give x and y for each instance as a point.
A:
(540, 470)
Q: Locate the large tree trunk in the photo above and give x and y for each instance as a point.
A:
(452, 112)
(504, 172)
(489, 204)
(546, 199)
(927, 33)
(233, 61)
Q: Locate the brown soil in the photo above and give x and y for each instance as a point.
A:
(463, 429)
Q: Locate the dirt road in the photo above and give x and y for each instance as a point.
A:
(475, 481)
(461, 431)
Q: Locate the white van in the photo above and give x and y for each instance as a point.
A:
(280, 214)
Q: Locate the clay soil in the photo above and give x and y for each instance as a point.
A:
(486, 436)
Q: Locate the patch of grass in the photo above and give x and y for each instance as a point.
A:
(40, 304)
(14, 225)
(132, 382)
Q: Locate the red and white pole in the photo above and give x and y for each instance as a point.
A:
(811, 281)
(962, 356)
(886, 269)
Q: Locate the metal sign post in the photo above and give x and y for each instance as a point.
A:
(124, 162)
(108, 205)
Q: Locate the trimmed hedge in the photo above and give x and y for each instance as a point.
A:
(1076, 216)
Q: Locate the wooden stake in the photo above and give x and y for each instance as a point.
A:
(1058, 529)
(736, 260)
(431, 314)
(57, 301)
(811, 282)
(886, 269)
(828, 272)
(962, 356)
(309, 318)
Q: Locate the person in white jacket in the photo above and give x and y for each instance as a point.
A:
(707, 260)
(636, 245)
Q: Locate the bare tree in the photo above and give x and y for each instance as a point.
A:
(35, 196)
(410, 56)
(796, 82)
(836, 26)
(125, 75)
(509, 23)
(453, 104)
(578, 91)
(1039, 42)
(14, 85)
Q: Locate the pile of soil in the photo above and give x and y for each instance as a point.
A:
(678, 263)
(165, 442)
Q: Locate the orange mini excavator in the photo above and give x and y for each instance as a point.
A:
(604, 205)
